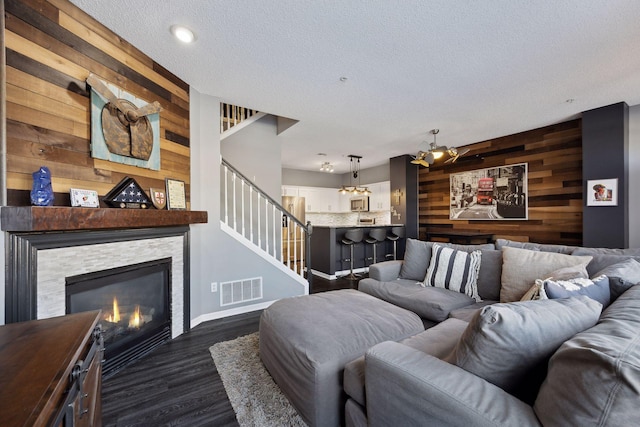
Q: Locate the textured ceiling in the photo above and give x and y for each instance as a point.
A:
(475, 70)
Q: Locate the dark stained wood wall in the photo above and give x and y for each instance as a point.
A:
(51, 47)
(554, 158)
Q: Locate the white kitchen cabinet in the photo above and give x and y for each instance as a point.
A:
(317, 199)
(344, 202)
(330, 199)
(311, 198)
(290, 190)
(380, 198)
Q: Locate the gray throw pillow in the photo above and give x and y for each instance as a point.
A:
(489, 275)
(601, 261)
(598, 288)
(618, 286)
(606, 251)
(417, 255)
(628, 269)
(503, 342)
(521, 268)
(544, 247)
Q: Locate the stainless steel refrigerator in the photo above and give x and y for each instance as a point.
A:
(292, 239)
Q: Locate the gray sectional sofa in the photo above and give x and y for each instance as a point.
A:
(555, 362)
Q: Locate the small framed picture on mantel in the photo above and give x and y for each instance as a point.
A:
(602, 192)
(176, 194)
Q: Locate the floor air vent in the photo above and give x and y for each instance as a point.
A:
(240, 291)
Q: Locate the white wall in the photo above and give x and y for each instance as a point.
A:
(332, 180)
(634, 176)
(215, 256)
(311, 178)
(255, 152)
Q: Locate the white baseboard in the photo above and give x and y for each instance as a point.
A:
(231, 312)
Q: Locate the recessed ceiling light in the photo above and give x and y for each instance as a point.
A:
(183, 34)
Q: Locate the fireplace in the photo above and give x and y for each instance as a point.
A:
(136, 308)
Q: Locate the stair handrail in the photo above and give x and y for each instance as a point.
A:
(306, 228)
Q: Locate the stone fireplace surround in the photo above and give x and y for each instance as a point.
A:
(47, 244)
(55, 265)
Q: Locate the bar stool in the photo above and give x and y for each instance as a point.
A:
(395, 234)
(351, 238)
(375, 236)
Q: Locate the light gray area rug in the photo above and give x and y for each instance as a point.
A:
(255, 397)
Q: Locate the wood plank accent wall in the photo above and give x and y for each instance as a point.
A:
(51, 47)
(554, 158)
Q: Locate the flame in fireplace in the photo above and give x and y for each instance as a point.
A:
(115, 317)
(136, 320)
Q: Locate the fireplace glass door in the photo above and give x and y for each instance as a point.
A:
(135, 303)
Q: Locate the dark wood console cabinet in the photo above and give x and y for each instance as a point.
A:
(51, 372)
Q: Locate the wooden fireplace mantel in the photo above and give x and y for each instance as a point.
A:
(59, 218)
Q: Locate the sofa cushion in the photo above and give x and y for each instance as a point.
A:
(572, 272)
(619, 286)
(490, 274)
(594, 378)
(440, 340)
(467, 313)
(562, 249)
(504, 341)
(431, 303)
(521, 268)
(606, 251)
(454, 270)
(597, 289)
(354, 414)
(417, 255)
(437, 341)
(628, 269)
(601, 261)
(537, 291)
(622, 274)
(469, 248)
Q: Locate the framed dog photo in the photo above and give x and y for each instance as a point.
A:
(602, 192)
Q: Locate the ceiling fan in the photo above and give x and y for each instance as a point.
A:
(428, 153)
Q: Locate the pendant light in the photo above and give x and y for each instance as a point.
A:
(354, 172)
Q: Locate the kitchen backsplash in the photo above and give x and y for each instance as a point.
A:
(347, 218)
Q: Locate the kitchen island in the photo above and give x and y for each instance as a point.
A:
(330, 257)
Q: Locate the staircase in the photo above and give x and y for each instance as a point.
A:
(263, 225)
(234, 118)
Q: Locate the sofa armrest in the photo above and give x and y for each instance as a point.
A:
(405, 387)
(385, 271)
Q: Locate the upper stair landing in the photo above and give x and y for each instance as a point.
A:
(234, 118)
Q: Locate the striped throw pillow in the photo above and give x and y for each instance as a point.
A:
(454, 270)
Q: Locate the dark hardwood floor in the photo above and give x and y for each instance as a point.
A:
(177, 384)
